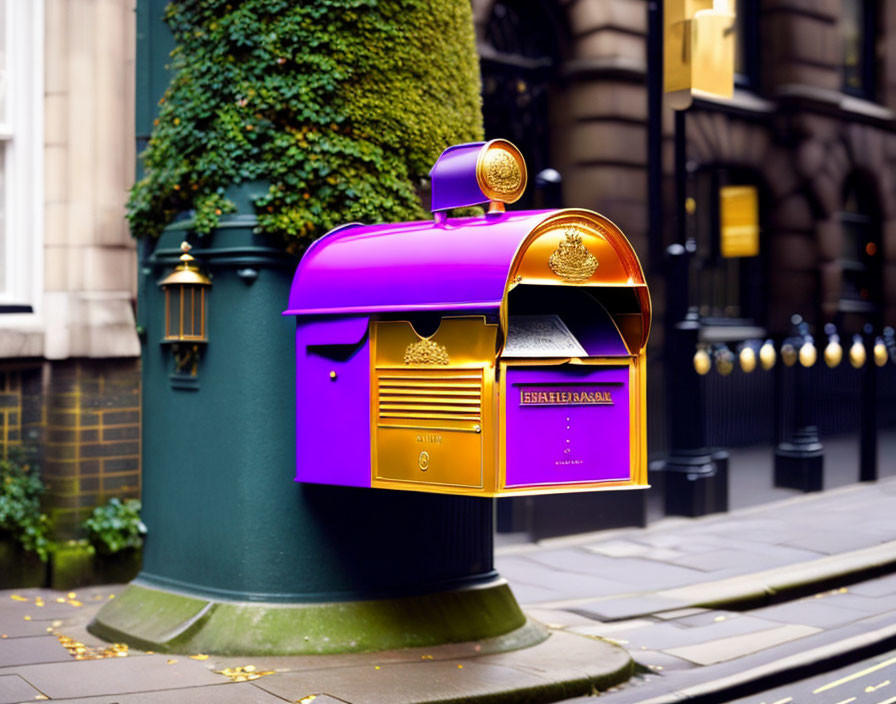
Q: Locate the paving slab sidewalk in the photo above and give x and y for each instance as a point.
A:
(660, 593)
(46, 653)
(702, 604)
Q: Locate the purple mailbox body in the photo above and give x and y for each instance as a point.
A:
(491, 355)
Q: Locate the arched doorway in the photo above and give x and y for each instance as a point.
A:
(519, 59)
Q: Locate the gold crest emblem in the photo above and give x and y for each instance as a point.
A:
(572, 261)
(502, 173)
(426, 352)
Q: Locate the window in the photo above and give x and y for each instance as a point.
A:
(519, 60)
(859, 35)
(860, 257)
(746, 43)
(729, 255)
(21, 145)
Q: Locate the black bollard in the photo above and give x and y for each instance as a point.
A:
(799, 461)
(696, 479)
(868, 411)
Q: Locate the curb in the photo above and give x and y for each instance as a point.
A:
(745, 591)
(745, 682)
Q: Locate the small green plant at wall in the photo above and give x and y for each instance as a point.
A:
(337, 107)
(21, 517)
(115, 526)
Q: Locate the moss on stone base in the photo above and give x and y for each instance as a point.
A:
(153, 619)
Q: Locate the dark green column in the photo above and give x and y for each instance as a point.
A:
(239, 557)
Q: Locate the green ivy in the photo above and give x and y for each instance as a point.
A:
(115, 526)
(341, 106)
(20, 514)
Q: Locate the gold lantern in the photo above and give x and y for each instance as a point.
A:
(185, 311)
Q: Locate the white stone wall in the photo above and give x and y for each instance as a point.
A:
(89, 260)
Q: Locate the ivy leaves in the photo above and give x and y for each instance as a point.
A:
(339, 106)
(20, 514)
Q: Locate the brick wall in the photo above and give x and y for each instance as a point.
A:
(82, 418)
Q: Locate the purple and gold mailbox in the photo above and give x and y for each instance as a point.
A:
(494, 355)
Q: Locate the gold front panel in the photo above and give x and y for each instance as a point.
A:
(432, 406)
(637, 429)
(429, 427)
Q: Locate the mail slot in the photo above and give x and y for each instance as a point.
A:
(495, 355)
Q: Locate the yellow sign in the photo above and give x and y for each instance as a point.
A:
(698, 50)
(739, 218)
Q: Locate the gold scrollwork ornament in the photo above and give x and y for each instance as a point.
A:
(571, 260)
(426, 352)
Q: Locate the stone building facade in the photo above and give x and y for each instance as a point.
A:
(794, 128)
(69, 366)
(811, 126)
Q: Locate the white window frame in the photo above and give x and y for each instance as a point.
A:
(23, 144)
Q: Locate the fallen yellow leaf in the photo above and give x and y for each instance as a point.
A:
(74, 602)
(171, 661)
(306, 700)
(17, 597)
(199, 656)
(245, 673)
(27, 618)
(71, 595)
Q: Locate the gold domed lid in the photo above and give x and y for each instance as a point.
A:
(187, 272)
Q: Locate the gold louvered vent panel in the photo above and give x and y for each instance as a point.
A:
(431, 396)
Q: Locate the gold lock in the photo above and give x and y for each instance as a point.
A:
(808, 354)
(725, 362)
(767, 356)
(880, 353)
(788, 354)
(747, 359)
(833, 354)
(702, 362)
(857, 354)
